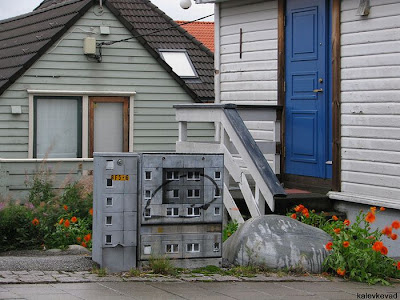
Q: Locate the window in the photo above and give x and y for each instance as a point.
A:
(147, 194)
(217, 175)
(147, 213)
(180, 62)
(192, 247)
(193, 193)
(172, 175)
(193, 211)
(108, 220)
(57, 127)
(172, 248)
(193, 176)
(108, 239)
(217, 211)
(217, 247)
(173, 211)
(109, 201)
(147, 249)
(147, 175)
(173, 193)
(217, 192)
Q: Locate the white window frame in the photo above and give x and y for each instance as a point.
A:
(85, 116)
(191, 247)
(193, 178)
(174, 248)
(174, 211)
(191, 211)
(193, 196)
(189, 60)
(173, 177)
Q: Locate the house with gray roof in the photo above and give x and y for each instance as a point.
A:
(84, 76)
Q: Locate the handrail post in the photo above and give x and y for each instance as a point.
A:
(182, 137)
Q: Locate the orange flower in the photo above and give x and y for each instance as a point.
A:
(393, 236)
(370, 218)
(384, 250)
(35, 222)
(396, 224)
(294, 216)
(341, 272)
(373, 209)
(346, 222)
(398, 265)
(387, 230)
(79, 239)
(61, 221)
(66, 223)
(328, 246)
(84, 244)
(346, 244)
(65, 207)
(382, 208)
(304, 211)
(335, 218)
(299, 208)
(307, 215)
(336, 230)
(377, 246)
(91, 211)
(87, 237)
(74, 219)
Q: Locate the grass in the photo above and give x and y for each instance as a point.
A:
(101, 272)
(162, 265)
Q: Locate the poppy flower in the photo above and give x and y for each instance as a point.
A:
(341, 272)
(336, 230)
(396, 224)
(393, 236)
(35, 222)
(307, 215)
(328, 246)
(304, 211)
(377, 246)
(87, 237)
(294, 216)
(299, 208)
(382, 208)
(91, 211)
(335, 218)
(61, 221)
(384, 250)
(65, 207)
(79, 239)
(74, 219)
(370, 217)
(66, 223)
(84, 244)
(346, 222)
(387, 230)
(373, 209)
(346, 244)
(398, 265)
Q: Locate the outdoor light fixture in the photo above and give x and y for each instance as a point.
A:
(185, 4)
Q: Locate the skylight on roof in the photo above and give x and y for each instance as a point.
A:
(180, 62)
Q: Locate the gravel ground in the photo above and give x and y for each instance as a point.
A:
(51, 260)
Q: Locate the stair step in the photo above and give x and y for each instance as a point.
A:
(316, 201)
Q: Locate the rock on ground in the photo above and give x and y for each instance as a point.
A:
(277, 242)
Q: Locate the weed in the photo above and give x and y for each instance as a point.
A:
(208, 270)
(133, 272)
(161, 265)
(101, 272)
(243, 271)
(230, 229)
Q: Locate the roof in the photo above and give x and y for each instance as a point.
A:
(202, 31)
(34, 33)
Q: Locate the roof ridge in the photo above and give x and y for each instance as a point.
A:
(182, 30)
(38, 11)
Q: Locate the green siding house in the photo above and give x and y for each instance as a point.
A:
(83, 76)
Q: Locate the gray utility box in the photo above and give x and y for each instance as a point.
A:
(115, 210)
(181, 208)
(163, 204)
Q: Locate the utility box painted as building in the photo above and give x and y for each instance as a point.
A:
(157, 204)
(115, 210)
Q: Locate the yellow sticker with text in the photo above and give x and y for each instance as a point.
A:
(120, 177)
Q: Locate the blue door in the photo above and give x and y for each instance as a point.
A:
(307, 107)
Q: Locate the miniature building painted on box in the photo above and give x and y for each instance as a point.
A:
(115, 210)
(157, 205)
(181, 210)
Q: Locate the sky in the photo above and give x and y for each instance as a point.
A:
(8, 9)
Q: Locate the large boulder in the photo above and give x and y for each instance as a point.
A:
(277, 242)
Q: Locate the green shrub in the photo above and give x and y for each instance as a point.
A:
(356, 251)
(229, 229)
(16, 228)
(161, 265)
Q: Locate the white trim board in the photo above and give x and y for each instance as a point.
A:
(79, 93)
(363, 199)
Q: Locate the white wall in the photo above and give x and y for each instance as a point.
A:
(370, 94)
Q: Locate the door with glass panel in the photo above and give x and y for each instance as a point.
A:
(108, 124)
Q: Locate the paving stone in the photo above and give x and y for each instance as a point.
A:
(51, 272)
(72, 279)
(20, 272)
(38, 273)
(9, 280)
(223, 278)
(5, 273)
(36, 279)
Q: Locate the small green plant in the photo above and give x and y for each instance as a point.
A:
(230, 229)
(133, 272)
(161, 265)
(356, 251)
(101, 272)
(244, 271)
(208, 270)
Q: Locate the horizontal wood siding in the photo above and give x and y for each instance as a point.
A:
(370, 95)
(251, 79)
(126, 66)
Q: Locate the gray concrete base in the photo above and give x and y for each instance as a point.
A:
(192, 263)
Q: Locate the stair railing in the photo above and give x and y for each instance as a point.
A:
(248, 154)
